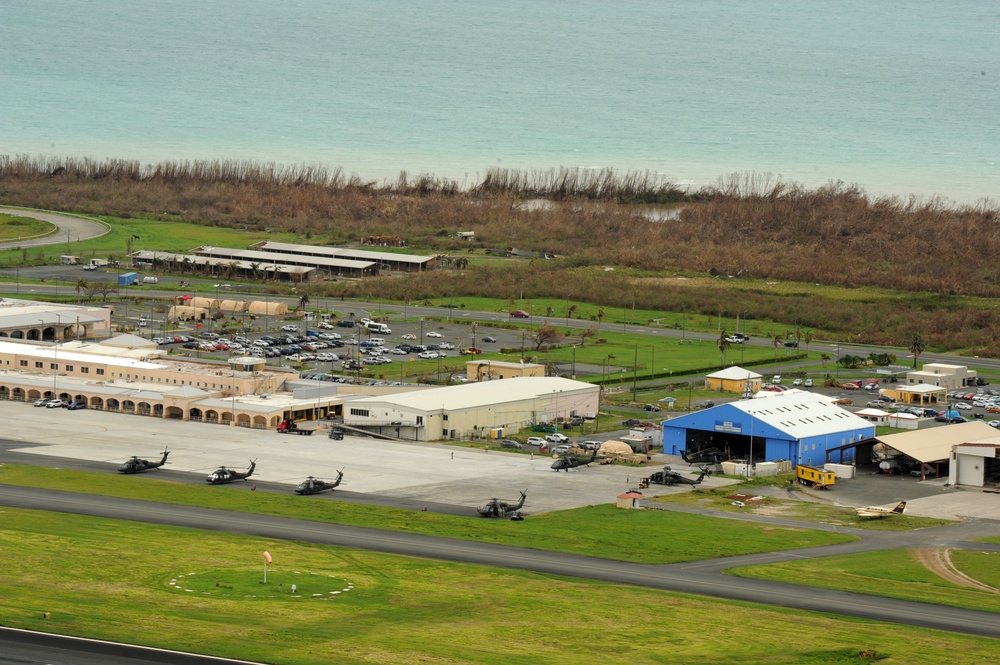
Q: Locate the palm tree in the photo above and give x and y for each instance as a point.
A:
(916, 347)
(808, 337)
(776, 342)
(303, 302)
(569, 312)
(600, 317)
(723, 347)
(81, 285)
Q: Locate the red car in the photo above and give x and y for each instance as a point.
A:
(520, 314)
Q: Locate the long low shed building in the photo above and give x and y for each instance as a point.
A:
(390, 260)
(218, 267)
(796, 426)
(472, 410)
(331, 265)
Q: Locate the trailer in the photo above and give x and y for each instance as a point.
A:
(128, 279)
(289, 426)
(815, 478)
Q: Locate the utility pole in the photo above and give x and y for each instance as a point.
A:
(635, 372)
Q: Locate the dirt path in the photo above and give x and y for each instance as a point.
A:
(938, 561)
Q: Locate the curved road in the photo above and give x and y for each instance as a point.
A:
(701, 578)
(71, 229)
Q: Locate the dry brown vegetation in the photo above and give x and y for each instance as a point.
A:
(749, 225)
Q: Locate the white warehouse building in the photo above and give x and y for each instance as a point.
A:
(472, 410)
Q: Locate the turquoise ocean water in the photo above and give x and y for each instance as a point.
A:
(900, 97)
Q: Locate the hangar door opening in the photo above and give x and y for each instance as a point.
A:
(735, 446)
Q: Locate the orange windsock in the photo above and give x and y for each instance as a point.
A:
(267, 557)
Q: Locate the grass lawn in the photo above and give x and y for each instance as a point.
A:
(892, 574)
(189, 590)
(718, 499)
(651, 536)
(13, 227)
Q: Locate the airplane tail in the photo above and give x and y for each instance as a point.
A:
(900, 508)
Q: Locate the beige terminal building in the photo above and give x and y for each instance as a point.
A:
(130, 375)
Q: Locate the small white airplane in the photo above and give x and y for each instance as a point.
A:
(875, 511)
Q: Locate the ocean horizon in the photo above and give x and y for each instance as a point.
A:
(899, 98)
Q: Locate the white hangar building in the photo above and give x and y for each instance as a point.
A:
(472, 410)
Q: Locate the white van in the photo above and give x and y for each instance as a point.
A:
(377, 341)
(380, 328)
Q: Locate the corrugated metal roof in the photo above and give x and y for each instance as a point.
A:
(261, 258)
(472, 395)
(801, 414)
(354, 254)
(935, 443)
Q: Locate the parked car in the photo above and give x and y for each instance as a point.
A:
(434, 333)
(471, 351)
(520, 314)
(291, 327)
(808, 383)
(78, 404)
(508, 443)
(591, 445)
(651, 407)
(41, 401)
(792, 344)
(963, 406)
(797, 382)
(536, 441)
(556, 437)
(490, 340)
(561, 448)
(54, 404)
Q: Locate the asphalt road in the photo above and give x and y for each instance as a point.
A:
(702, 578)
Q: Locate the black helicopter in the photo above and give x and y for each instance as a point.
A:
(710, 455)
(225, 475)
(669, 477)
(314, 485)
(567, 462)
(138, 465)
(501, 507)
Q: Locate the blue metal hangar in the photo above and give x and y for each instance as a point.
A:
(794, 425)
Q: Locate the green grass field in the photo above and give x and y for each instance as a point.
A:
(893, 574)
(189, 590)
(601, 531)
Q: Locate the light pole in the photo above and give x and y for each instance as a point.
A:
(421, 331)
(574, 361)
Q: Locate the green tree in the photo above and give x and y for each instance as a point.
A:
(916, 347)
